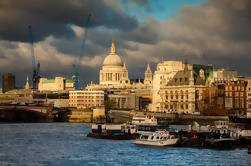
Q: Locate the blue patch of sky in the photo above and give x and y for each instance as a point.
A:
(161, 9)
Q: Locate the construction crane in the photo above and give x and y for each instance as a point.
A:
(75, 73)
(35, 68)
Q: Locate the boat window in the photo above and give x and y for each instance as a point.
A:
(152, 137)
(144, 137)
(157, 138)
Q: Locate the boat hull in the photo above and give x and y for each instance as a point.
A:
(169, 142)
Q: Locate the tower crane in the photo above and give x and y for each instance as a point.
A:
(75, 73)
(35, 68)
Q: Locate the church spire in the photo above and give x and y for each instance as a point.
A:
(148, 68)
(112, 51)
(124, 66)
(27, 86)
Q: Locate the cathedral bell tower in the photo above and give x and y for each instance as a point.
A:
(148, 76)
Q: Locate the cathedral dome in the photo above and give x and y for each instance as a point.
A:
(113, 59)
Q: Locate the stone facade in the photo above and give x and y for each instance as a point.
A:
(57, 84)
(164, 73)
(86, 98)
(248, 93)
(183, 93)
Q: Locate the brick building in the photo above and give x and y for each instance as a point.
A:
(8, 82)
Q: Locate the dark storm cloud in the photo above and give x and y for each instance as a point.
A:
(54, 17)
(220, 29)
(99, 41)
(227, 18)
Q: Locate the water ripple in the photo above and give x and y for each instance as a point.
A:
(66, 144)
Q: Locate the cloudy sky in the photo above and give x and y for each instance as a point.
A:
(146, 31)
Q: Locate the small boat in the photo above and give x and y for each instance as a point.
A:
(159, 138)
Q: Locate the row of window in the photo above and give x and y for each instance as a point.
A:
(176, 92)
(76, 105)
(234, 88)
(177, 97)
(234, 94)
(181, 79)
(74, 101)
(77, 97)
(181, 106)
(87, 94)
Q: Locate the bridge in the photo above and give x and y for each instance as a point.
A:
(35, 109)
(23, 113)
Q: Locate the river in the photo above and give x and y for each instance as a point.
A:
(66, 144)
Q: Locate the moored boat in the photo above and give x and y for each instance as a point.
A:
(162, 138)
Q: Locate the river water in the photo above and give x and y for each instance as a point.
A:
(66, 144)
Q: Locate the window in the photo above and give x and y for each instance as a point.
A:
(186, 106)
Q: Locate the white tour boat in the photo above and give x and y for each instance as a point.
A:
(159, 138)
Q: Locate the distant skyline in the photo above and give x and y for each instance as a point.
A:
(207, 31)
